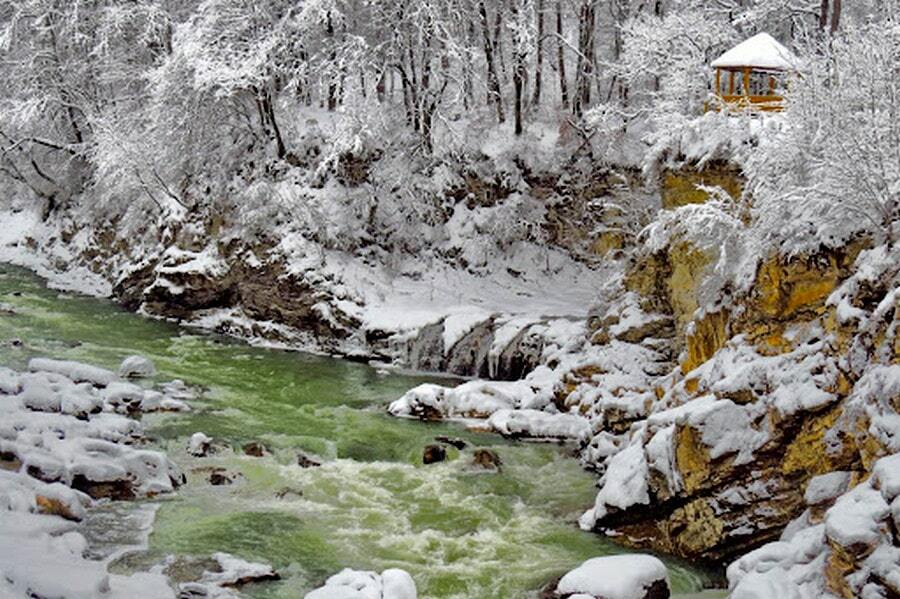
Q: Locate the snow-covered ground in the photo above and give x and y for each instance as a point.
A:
(66, 443)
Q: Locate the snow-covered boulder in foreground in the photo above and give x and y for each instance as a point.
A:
(43, 556)
(136, 367)
(355, 584)
(616, 577)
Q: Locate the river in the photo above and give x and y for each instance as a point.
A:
(460, 531)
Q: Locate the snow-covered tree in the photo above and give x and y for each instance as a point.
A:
(833, 168)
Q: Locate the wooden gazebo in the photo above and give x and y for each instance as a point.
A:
(747, 76)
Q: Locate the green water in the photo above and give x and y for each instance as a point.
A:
(461, 533)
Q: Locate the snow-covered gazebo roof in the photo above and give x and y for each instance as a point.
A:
(761, 52)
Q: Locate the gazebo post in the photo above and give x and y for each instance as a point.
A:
(718, 82)
(730, 83)
(747, 83)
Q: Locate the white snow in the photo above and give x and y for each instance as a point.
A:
(538, 424)
(136, 367)
(68, 433)
(198, 445)
(74, 370)
(624, 485)
(458, 324)
(826, 487)
(56, 261)
(614, 577)
(354, 584)
(856, 517)
(235, 570)
(761, 51)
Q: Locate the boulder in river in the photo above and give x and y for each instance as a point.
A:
(487, 459)
(254, 449)
(199, 445)
(122, 488)
(452, 441)
(628, 576)
(306, 461)
(220, 476)
(136, 367)
(433, 454)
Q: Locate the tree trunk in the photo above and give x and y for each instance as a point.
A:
(518, 75)
(835, 16)
(561, 59)
(270, 127)
(332, 86)
(823, 15)
(585, 71)
(493, 81)
(539, 54)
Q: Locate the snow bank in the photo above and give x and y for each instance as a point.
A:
(475, 399)
(68, 432)
(355, 584)
(624, 485)
(64, 445)
(537, 424)
(75, 371)
(615, 577)
(42, 556)
(236, 571)
(56, 257)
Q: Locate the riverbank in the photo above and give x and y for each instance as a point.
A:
(460, 532)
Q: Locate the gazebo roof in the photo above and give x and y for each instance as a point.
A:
(762, 51)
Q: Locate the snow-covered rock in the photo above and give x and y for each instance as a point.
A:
(75, 371)
(616, 577)
(63, 444)
(199, 444)
(59, 430)
(136, 367)
(234, 571)
(852, 553)
(540, 425)
(355, 584)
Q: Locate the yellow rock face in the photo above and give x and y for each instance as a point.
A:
(688, 267)
(782, 290)
(806, 451)
(691, 458)
(708, 336)
(679, 188)
(698, 527)
(837, 566)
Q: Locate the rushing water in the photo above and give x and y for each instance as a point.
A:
(461, 532)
